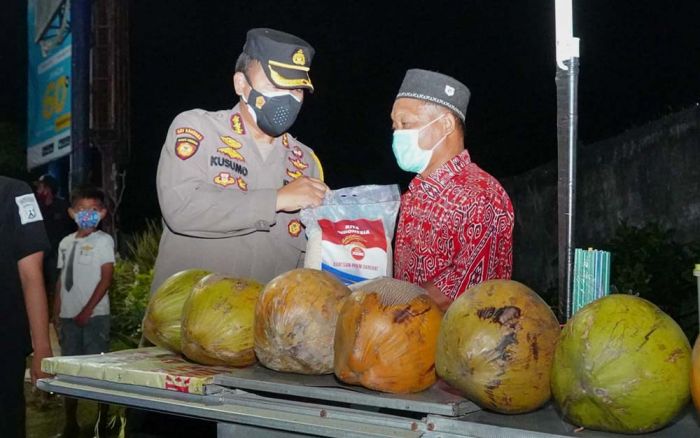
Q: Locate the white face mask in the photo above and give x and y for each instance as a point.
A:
(409, 155)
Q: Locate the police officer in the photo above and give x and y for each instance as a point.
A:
(231, 182)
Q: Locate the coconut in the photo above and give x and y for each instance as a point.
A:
(295, 321)
(161, 323)
(217, 321)
(385, 337)
(622, 365)
(695, 375)
(496, 345)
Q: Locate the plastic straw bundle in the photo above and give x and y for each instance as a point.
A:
(591, 277)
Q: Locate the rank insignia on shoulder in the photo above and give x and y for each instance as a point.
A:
(285, 140)
(294, 228)
(297, 163)
(296, 150)
(186, 147)
(242, 184)
(231, 148)
(237, 124)
(294, 174)
(224, 179)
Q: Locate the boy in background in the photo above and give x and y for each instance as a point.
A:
(81, 307)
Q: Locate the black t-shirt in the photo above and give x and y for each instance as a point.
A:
(21, 234)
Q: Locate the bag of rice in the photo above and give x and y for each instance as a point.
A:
(350, 234)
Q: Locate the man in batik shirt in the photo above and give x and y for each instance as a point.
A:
(456, 221)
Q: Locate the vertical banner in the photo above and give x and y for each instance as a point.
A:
(49, 79)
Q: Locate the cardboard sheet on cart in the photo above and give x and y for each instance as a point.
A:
(153, 367)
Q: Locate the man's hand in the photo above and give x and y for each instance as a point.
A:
(35, 370)
(56, 320)
(301, 193)
(82, 318)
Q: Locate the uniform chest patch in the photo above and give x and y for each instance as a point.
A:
(294, 228)
(298, 164)
(231, 148)
(217, 161)
(294, 174)
(224, 179)
(242, 184)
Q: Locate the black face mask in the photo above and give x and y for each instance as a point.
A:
(274, 114)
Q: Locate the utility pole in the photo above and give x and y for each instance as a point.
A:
(80, 15)
(110, 115)
(567, 53)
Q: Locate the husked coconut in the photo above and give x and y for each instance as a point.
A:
(161, 323)
(217, 321)
(496, 346)
(295, 320)
(622, 365)
(386, 335)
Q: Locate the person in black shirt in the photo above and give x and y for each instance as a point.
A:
(24, 309)
(57, 223)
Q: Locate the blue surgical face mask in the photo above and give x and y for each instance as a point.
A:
(409, 155)
(87, 219)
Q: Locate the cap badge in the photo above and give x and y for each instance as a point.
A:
(450, 91)
(298, 58)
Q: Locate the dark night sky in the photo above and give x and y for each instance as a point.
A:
(639, 60)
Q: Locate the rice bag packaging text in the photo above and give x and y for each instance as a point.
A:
(350, 233)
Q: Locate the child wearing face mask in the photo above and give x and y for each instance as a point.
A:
(81, 306)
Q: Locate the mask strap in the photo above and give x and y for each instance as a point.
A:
(250, 84)
(438, 142)
(430, 123)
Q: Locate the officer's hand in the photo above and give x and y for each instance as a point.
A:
(303, 192)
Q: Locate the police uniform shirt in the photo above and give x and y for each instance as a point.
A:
(22, 233)
(217, 195)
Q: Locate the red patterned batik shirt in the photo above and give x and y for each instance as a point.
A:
(455, 229)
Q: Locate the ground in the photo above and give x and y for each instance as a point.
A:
(45, 416)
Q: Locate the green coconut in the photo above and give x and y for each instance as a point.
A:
(161, 323)
(621, 365)
(217, 321)
(496, 346)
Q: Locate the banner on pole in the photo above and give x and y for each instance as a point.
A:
(49, 79)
